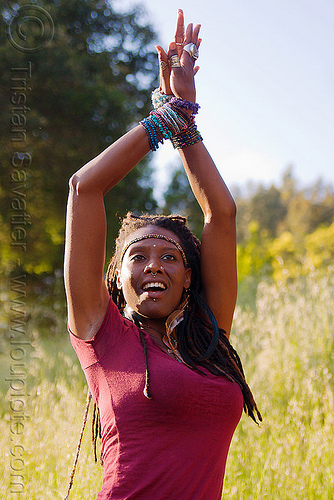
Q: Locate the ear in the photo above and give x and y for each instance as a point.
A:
(118, 279)
(187, 278)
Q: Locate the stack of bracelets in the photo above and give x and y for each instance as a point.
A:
(170, 120)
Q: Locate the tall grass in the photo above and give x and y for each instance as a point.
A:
(286, 346)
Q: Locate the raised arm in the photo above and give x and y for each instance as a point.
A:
(218, 251)
(87, 296)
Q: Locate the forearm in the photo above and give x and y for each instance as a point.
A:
(206, 182)
(109, 167)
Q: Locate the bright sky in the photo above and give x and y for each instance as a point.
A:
(265, 87)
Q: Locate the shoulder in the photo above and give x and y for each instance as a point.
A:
(109, 333)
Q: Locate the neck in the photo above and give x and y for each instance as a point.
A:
(155, 327)
(157, 332)
(150, 324)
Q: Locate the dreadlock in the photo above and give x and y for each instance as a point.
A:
(200, 342)
(195, 339)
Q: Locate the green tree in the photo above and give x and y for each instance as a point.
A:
(179, 199)
(267, 209)
(83, 90)
(319, 247)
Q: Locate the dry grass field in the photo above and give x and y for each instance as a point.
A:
(286, 344)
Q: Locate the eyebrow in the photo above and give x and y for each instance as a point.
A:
(171, 247)
(159, 237)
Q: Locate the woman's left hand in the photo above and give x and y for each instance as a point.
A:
(179, 80)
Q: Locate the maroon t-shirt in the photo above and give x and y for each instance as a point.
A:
(173, 446)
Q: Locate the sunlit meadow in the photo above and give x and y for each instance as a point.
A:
(286, 344)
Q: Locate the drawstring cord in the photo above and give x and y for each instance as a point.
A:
(89, 397)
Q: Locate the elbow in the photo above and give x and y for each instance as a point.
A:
(80, 182)
(73, 183)
(229, 214)
(225, 212)
(76, 185)
(233, 209)
(229, 209)
(88, 180)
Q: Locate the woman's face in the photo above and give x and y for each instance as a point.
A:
(152, 274)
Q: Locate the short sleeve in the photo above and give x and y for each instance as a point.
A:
(109, 333)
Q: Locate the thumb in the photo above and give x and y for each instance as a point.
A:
(161, 53)
(164, 71)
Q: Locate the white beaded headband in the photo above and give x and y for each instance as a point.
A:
(159, 237)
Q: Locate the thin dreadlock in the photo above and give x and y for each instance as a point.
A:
(96, 430)
(195, 338)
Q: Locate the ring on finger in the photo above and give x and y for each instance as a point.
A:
(192, 50)
(174, 61)
(163, 65)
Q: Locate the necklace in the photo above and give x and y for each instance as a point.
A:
(169, 345)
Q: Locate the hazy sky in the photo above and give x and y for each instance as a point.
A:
(266, 85)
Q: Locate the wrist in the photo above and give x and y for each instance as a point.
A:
(188, 106)
(165, 122)
(187, 137)
(159, 99)
(172, 118)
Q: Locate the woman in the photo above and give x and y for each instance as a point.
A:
(153, 338)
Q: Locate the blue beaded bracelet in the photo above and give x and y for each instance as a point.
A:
(152, 136)
(165, 122)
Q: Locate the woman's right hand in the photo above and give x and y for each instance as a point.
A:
(180, 80)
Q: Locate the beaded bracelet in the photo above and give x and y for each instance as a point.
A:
(181, 103)
(164, 123)
(151, 134)
(187, 137)
(159, 98)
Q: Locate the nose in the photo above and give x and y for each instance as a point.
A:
(153, 268)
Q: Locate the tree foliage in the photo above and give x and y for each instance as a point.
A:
(283, 231)
(179, 198)
(86, 88)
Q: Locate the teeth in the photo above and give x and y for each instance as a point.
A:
(155, 284)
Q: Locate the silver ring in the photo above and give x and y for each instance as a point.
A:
(174, 61)
(192, 50)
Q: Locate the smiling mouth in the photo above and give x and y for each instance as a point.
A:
(154, 286)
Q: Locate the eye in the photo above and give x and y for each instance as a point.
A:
(137, 257)
(169, 257)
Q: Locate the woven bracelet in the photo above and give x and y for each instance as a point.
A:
(159, 98)
(181, 103)
(186, 138)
